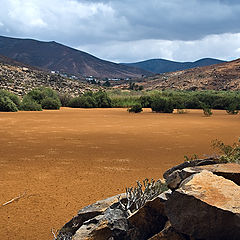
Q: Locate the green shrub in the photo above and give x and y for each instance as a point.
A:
(14, 98)
(45, 97)
(51, 103)
(232, 109)
(102, 100)
(28, 104)
(230, 153)
(207, 111)
(162, 104)
(135, 109)
(7, 105)
(82, 102)
(64, 99)
(146, 101)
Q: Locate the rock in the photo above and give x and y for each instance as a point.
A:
(206, 206)
(229, 171)
(87, 213)
(112, 224)
(168, 233)
(193, 163)
(148, 220)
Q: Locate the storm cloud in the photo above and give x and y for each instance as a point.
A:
(130, 30)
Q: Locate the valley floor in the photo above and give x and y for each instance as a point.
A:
(64, 160)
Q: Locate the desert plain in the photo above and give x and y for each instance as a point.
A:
(61, 161)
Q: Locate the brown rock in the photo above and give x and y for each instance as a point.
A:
(206, 206)
(168, 233)
(148, 220)
(229, 171)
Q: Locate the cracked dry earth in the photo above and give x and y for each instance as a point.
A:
(64, 160)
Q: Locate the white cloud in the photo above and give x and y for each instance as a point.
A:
(124, 30)
(224, 46)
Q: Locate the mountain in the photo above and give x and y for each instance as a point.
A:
(57, 57)
(20, 78)
(224, 76)
(163, 66)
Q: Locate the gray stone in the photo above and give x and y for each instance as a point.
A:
(87, 213)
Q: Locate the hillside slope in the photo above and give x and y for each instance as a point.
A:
(225, 76)
(20, 79)
(163, 66)
(57, 57)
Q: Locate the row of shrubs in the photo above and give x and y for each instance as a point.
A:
(161, 101)
(35, 100)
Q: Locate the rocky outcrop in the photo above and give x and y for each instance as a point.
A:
(204, 204)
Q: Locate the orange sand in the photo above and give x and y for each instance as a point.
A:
(67, 159)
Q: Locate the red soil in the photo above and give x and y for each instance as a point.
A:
(67, 159)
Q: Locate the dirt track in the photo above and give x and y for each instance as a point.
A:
(70, 158)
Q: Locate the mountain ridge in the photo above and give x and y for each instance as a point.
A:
(58, 57)
(159, 65)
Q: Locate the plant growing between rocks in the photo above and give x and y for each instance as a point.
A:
(137, 196)
(230, 153)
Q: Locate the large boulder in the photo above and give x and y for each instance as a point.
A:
(230, 171)
(206, 206)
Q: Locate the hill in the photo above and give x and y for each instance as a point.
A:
(57, 57)
(163, 66)
(224, 76)
(20, 79)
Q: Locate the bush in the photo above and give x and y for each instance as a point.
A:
(162, 104)
(45, 97)
(64, 99)
(135, 109)
(232, 109)
(207, 111)
(28, 104)
(102, 100)
(7, 105)
(82, 102)
(230, 153)
(146, 101)
(51, 103)
(8, 97)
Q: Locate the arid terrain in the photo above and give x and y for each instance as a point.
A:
(64, 160)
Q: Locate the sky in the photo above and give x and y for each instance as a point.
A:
(130, 30)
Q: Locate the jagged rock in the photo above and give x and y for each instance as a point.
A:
(169, 233)
(193, 163)
(230, 171)
(206, 206)
(112, 224)
(87, 213)
(148, 220)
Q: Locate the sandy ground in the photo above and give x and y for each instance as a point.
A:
(67, 159)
